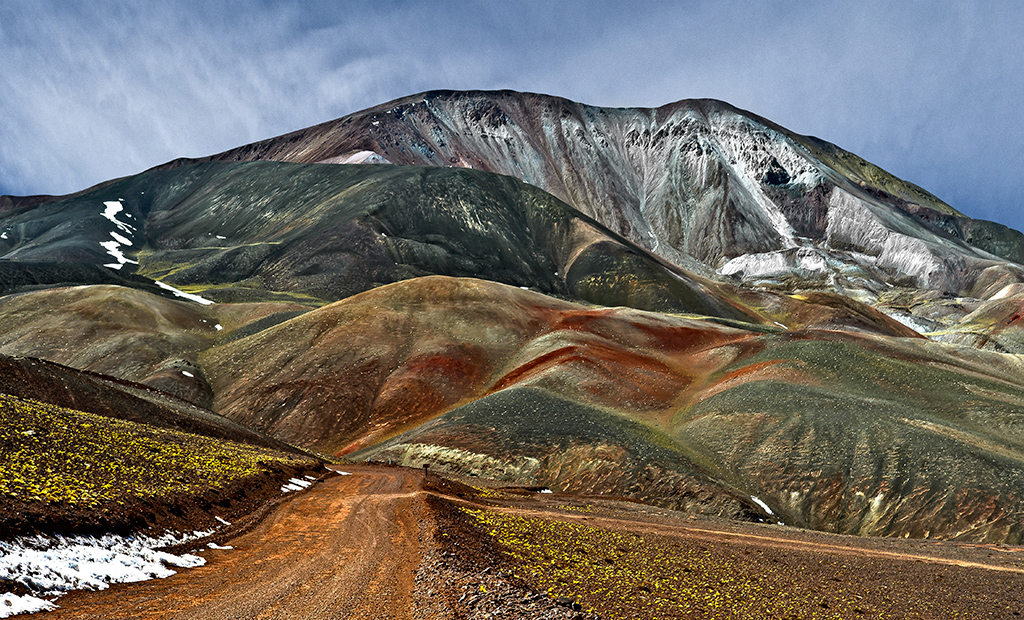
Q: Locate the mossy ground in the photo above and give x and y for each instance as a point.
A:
(620, 573)
(54, 459)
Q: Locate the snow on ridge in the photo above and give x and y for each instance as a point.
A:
(359, 157)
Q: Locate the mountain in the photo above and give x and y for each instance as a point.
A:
(697, 182)
(688, 306)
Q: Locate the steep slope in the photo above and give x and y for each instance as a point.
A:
(484, 379)
(47, 382)
(70, 472)
(697, 182)
(266, 231)
(125, 333)
(320, 233)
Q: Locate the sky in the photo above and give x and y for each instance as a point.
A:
(930, 91)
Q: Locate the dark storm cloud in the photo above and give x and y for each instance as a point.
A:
(928, 91)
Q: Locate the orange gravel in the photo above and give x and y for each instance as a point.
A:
(345, 548)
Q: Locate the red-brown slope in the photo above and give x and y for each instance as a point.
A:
(364, 369)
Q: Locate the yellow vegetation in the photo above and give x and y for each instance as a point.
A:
(625, 575)
(49, 453)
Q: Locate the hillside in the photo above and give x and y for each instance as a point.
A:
(687, 306)
(698, 182)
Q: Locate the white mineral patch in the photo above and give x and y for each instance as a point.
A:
(188, 296)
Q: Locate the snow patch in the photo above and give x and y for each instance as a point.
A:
(120, 238)
(189, 296)
(225, 522)
(763, 505)
(213, 545)
(110, 211)
(218, 327)
(1005, 292)
(545, 491)
(113, 207)
(12, 605)
(3, 235)
(221, 237)
(187, 374)
(295, 484)
(52, 565)
(114, 249)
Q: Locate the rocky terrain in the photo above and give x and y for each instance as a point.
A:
(688, 307)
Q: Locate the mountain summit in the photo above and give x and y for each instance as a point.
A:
(698, 182)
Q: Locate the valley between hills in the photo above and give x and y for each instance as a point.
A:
(475, 353)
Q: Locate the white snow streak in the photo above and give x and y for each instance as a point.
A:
(113, 207)
(762, 505)
(189, 296)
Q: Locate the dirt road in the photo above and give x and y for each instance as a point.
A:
(347, 548)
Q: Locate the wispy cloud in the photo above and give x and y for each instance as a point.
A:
(929, 92)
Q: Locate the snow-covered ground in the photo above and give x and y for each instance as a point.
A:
(53, 565)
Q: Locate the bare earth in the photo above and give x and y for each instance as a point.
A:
(375, 544)
(345, 548)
